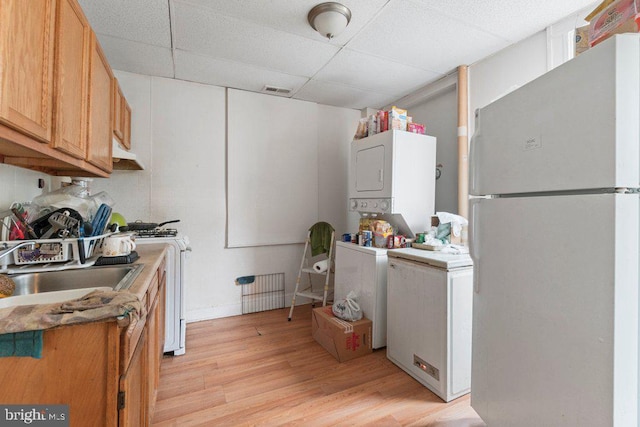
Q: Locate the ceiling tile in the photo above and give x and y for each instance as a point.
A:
(342, 96)
(145, 21)
(291, 16)
(198, 68)
(512, 20)
(374, 73)
(436, 43)
(201, 30)
(136, 57)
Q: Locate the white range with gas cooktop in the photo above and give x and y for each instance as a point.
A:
(175, 320)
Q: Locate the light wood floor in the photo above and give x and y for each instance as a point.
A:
(259, 369)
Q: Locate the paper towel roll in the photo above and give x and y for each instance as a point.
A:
(321, 266)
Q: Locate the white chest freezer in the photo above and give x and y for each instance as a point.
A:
(429, 318)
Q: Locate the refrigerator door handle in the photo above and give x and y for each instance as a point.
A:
(473, 238)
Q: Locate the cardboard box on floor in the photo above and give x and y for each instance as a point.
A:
(344, 340)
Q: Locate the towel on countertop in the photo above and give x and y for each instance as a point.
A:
(320, 238)
(124, 307)
(21, 344)
(456, 221)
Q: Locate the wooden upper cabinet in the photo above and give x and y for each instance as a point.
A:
(121, 117)
(118, 117)
(71, 77)
(26, 55)
(100, 106)
(126, 112)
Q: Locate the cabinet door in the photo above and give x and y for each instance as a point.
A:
(153, 362)
(132, 411)
(370, 171)
(26, 55)
(126, 141)
(100, 106)
(71, 79)
(118, 131)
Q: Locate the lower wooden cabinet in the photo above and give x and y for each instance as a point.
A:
(141, 376)
(132, 404)
(108, 375)
(79, 368)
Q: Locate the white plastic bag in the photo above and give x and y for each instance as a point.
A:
(348, 309)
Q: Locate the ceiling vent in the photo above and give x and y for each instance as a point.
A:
(276, 90)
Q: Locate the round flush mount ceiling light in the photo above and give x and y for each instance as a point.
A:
(329, 19)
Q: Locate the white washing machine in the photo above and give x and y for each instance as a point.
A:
(364, 271)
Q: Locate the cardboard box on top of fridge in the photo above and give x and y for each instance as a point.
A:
(598, 9)
(397, 119)
(582, 40)
(415, 128)
(622, 16)
(343, 340)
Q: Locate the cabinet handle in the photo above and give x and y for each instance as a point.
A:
(380, 175)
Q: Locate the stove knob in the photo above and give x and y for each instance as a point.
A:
(375, 205)
(354, 204)
(363, 204)
(384, 205)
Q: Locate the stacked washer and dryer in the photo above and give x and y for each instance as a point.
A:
(391, 177)
(421, 300)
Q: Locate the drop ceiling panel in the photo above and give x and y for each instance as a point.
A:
(204, 69)
(145, 21)
(137, 57)
(202, 30)
(291, 16)
(342, 96)
(411, 34)
(390, 48)
(509, 19)
(370, 72)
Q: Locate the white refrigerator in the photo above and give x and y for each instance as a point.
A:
(555, 242)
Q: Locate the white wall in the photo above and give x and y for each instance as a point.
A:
(440, 116)
(499, 74)
(178, 130)
(518, 64)
(336, 127)
(19, 185)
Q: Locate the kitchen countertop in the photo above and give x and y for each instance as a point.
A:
(433, 258)
(123, 306)
(151, 256)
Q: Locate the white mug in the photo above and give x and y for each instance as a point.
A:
(118, 245)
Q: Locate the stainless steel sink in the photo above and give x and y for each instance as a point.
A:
(114, 277)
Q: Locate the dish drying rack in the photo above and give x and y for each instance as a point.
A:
(50, 254)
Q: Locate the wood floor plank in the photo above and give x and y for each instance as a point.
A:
(261, 370)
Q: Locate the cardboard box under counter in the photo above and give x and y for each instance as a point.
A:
(343, 340)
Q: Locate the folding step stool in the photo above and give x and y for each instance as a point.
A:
(319, 230)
